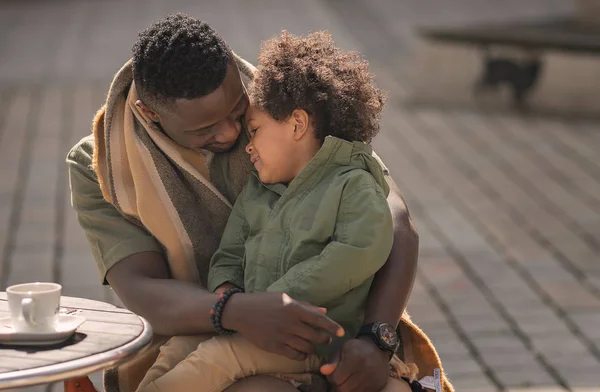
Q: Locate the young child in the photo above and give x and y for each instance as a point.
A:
(313, 220)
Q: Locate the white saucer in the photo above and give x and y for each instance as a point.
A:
(67, 324)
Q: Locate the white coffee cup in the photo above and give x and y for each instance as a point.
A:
(34, 306)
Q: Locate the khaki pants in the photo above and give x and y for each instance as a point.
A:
(204, 363)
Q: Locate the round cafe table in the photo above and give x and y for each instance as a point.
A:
(108, 337)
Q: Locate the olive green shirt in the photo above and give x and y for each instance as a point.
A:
(320, 240)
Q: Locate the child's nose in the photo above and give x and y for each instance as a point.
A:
(249, 148)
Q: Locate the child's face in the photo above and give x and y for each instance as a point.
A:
(272, 147)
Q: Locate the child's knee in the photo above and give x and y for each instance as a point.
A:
(178, 348)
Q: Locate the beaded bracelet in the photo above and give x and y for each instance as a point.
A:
(217, 311)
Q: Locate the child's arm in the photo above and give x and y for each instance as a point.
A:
(226, 263)
(359, 247)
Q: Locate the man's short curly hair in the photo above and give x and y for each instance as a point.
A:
(332, 85)
(178, 57)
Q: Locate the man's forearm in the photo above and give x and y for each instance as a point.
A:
(269, 320)
(172, 307)
(394, 281)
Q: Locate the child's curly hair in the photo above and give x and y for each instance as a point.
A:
(332, 85)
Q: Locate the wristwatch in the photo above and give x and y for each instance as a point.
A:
(383, 334)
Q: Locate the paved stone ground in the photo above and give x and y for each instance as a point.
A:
(506, 206)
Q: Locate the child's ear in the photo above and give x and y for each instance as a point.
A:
(301, 122)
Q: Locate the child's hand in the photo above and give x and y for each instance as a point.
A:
(224, 287)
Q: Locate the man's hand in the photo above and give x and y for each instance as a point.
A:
(277, 323)
(359, 366)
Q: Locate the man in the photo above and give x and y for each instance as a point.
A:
(153, 187)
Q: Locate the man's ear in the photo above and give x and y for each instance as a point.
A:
(301, 121)
(147, 111)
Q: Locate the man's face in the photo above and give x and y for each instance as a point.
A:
(212, 122)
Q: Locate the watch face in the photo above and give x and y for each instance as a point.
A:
(388, 336)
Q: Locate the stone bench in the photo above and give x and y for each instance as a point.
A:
(549, 66)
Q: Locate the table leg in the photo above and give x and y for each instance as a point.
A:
(80, 384)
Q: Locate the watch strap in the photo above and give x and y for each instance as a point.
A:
(366, 329)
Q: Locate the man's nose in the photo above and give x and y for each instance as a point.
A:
(228, 132)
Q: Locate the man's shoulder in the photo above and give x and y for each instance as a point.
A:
(82, 153)
(81, 157)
